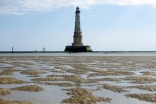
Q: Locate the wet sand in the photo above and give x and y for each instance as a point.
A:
(77, 79)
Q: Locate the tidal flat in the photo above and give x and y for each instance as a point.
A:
(77, 79)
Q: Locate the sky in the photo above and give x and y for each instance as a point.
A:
(107, 25)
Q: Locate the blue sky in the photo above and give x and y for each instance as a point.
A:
(107, 25)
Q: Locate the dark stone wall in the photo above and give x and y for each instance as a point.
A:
(78, 49)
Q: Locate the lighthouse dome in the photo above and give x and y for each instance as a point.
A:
(77, 10)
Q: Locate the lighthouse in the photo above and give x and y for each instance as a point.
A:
(77, 45)
(77, 32)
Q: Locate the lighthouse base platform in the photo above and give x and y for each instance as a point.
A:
(78, 49)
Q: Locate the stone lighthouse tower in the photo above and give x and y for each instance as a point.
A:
(77, 33)
(77, 45)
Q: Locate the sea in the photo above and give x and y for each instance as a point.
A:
(95, 53)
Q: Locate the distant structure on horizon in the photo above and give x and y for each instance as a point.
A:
(12, 49)
(77, 45)
(44, 49)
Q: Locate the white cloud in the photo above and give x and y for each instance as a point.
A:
(23, 6)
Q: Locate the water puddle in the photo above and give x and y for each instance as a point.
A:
(117, 98)
(50, 95)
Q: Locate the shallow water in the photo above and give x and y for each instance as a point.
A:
(56, 63)
(118, 98)
(50, 95)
